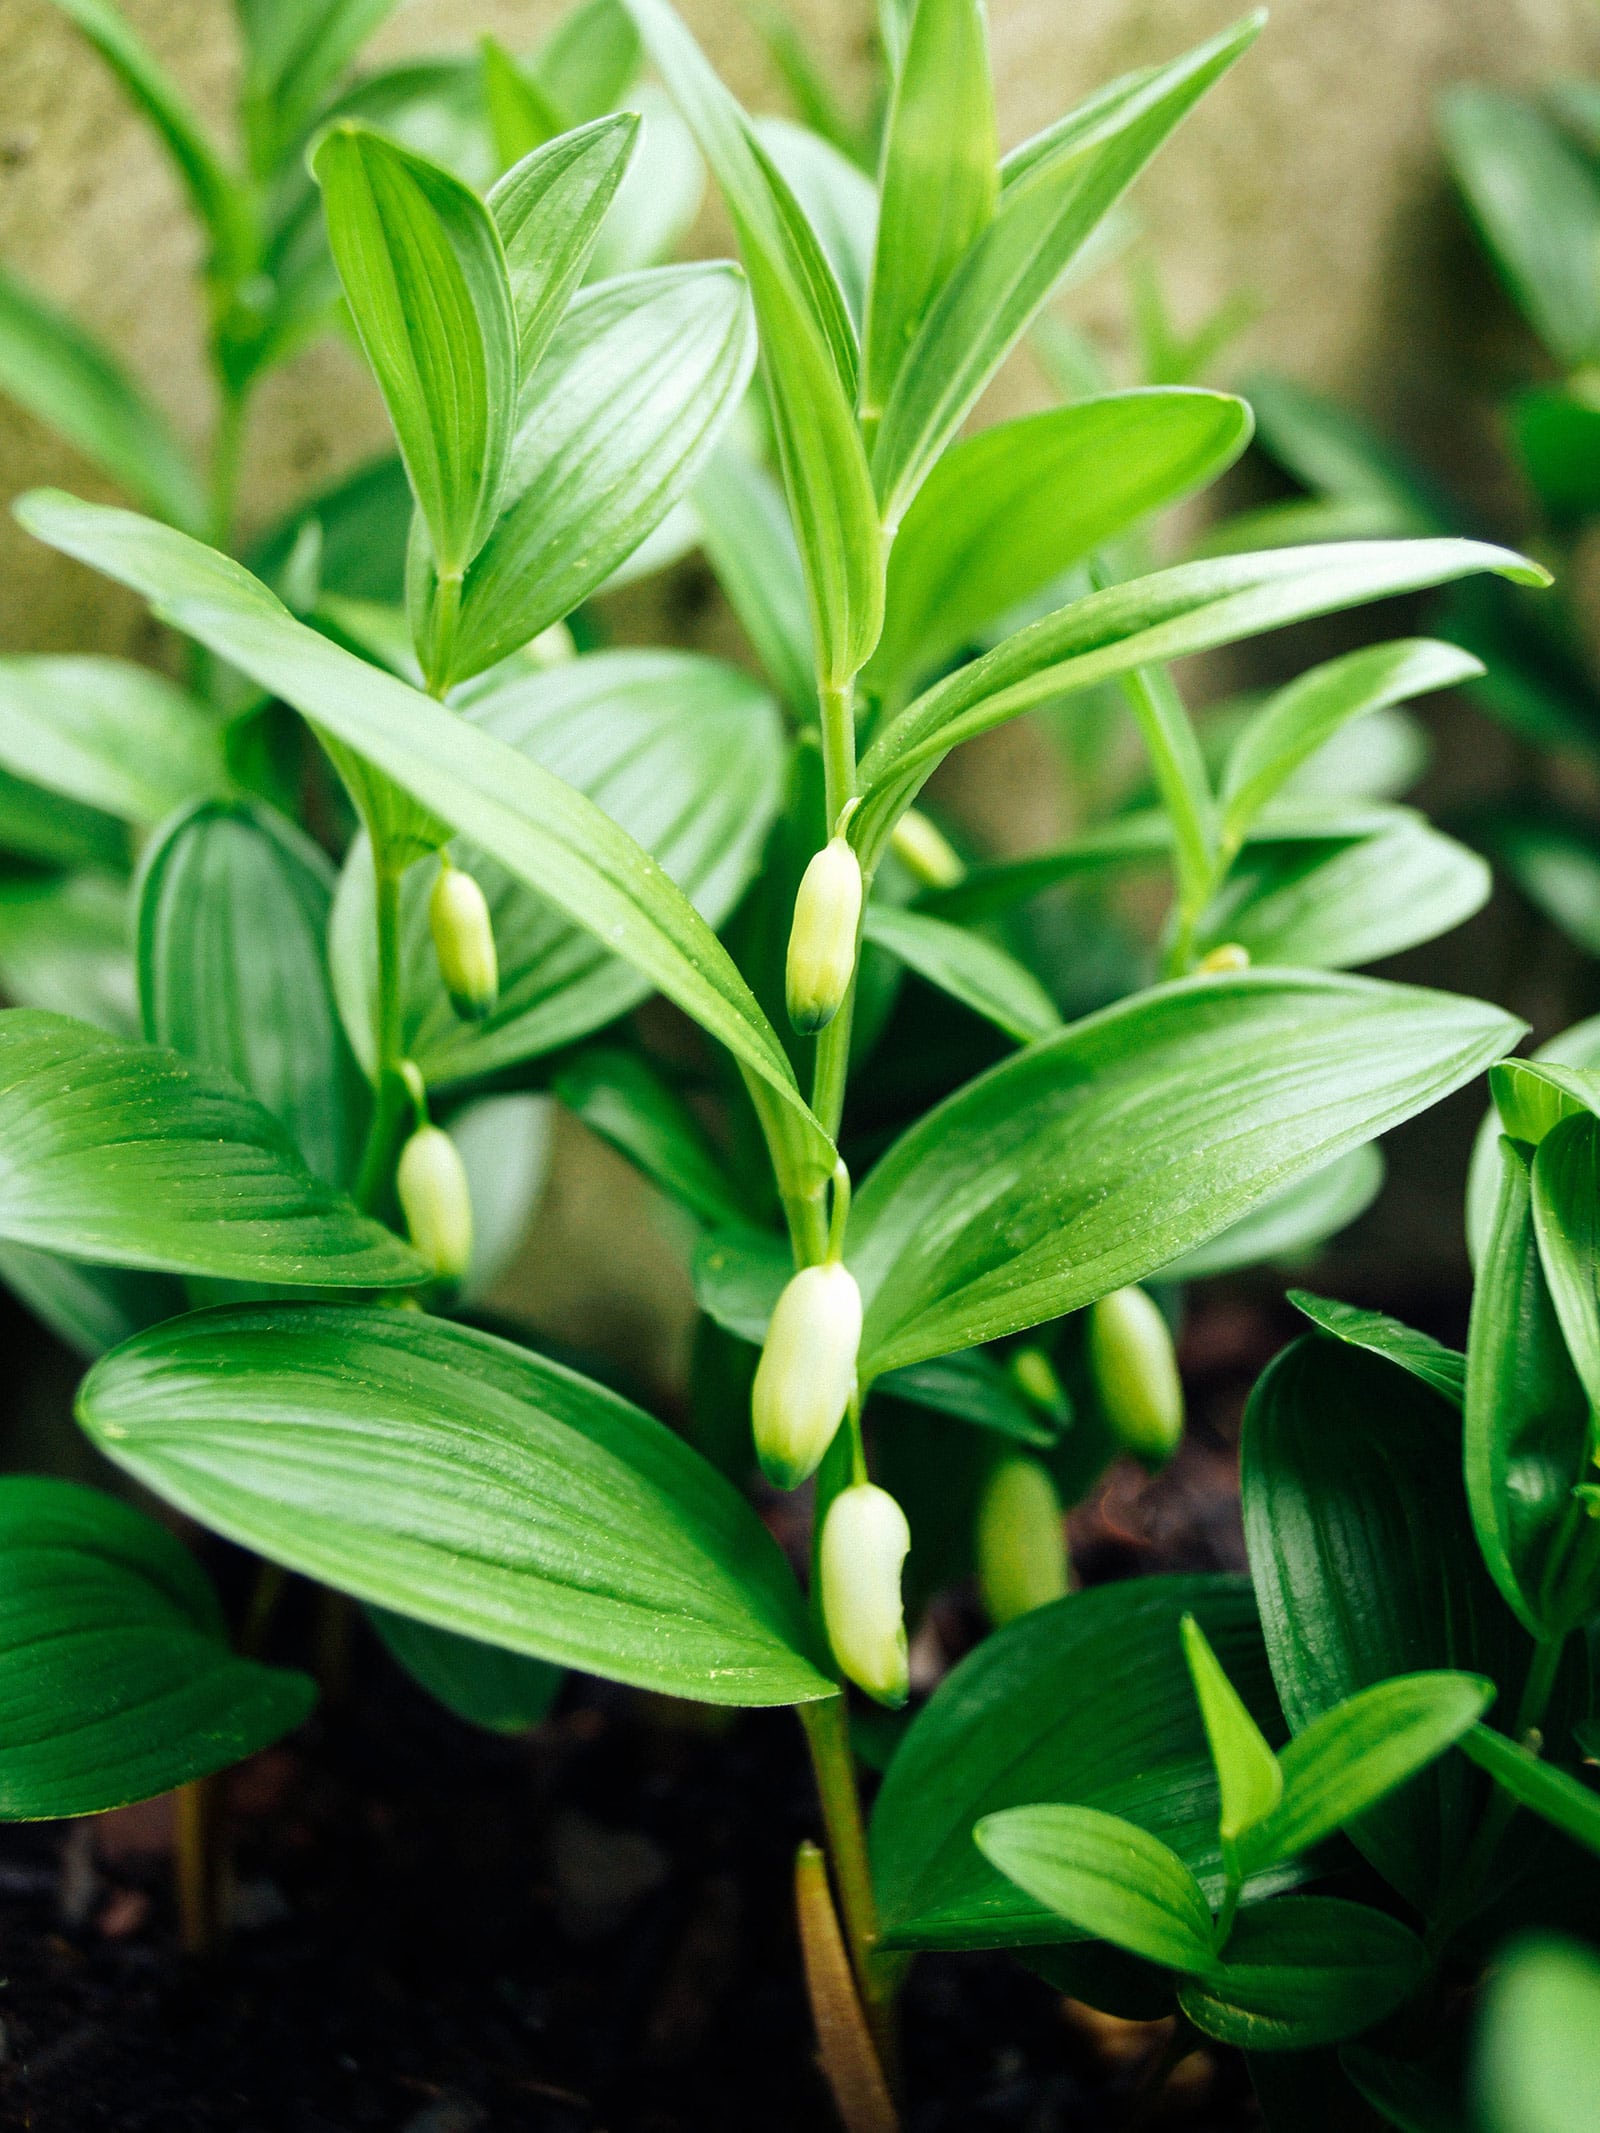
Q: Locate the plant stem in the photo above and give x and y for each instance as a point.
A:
(827, 1732)
(838, 718)
(392, 1101)
(195, 1865)
(227, 447)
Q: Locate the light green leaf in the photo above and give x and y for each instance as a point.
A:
(684, 753)
(233, 972)
(1304, 1971)
(547, 835)
(116, 1681)
(1536, 2047)
(1301, 718)
(1191, 608)
(1292, 1225)
(1008, 511)
(587, 63)
(1351, 1757)
(295, 51)
(660, 197)
(1249, 1782)
(971, 969)
(108, 733)
(1056, 188)
(480, 1487)
(1557, 1795)
(940, 181)
(521, 117)
(504, 1692)
(619, 1095)
(1094, 1158)
(127, 1155)
(64, 945)
(808, 355)
(505, 1145)
(1178, 766)
(613, 427)
(1108, 1878)
(1442, 1369)
(1537, 203)
(836, 197)
(746, 534)
(425, 277)
(1566, 1222)
(51, 367)
(549, 210)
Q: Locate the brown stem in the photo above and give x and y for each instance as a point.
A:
(845, 2043)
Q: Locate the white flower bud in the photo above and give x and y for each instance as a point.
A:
(432, 1184)
(1022, 1545)
(923, 848)
(822, 940)
(865, 1540)
(463, 940)
(807, 1372)
(1136, 1374)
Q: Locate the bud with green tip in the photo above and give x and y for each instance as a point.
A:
(1022, 1544)
(865, 1540)
(463, 941)
(822, 940)
(432, 1184)
(1136, 1374)
(807, 1372)
(925, 851)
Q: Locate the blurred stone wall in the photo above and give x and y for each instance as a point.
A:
(1309, 180)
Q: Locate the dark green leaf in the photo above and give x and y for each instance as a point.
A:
(477, 1486)
(89, 1308)
(128, 1155)
(1106, 1877)
(1541, 1097)
(971, 969)
(1305, 1970)
(1557, 1795)
(1557, 436)
(1093, 1158)
(1441, 1368)
(1566, 1211)
(505, 1692)
(619, 1096)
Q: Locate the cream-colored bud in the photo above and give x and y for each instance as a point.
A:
(923, 848)
(432, 1184)
(1230, 956)
(463, 941)
(1136, 1374)
(822, 940)
(807, 1372)
(865, 1540)
(1022, 1543)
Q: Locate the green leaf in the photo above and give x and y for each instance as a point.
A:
(504, 1692)
(751, 546)
(505, 1147)
(1536, 2049)
(476, 1486)
(620, 1096)
(549, 836)
(836, 197)
(1108, 1878)
(684, 753)
(1326, 906)
(611, 430)
(969, 968)
(521, 117)
(1249, 1781)
(64, 946)
(587, 63)
(1191, 608)
(295, 51)
(1041, 1710)
(1056, 189)
(1566, 1222)
(1537, 204)
(1365, 1568)
(971, 1388)
(808, 355)
(1557, 1795)
(1557, 439)
(1527, 1420)
(940, 181)
(1301, 718)
(233, 973)
(116, 1681)
(1178, 767)
(1556, 866)
(1351, 1757)
(1442, 1369)
(660, 197)
(1093, 1158)
(51, 367)
(1005, 513)
(128, 1155)
(425, 277)
(1547, 1097)
(110, 734)
(40, 825)
(218, 198)
(549, 210)
(1305, 1970)
(1292, 1225)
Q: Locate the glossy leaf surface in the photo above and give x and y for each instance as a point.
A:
(1106, 1877)
(549, 210)
(1303, 1971)
(1442, 1369)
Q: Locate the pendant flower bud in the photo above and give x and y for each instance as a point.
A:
(463, 941)
(865, 1540)
(822, 940)
(432, 1184)
(924, 849)
(1034, 1376)
(1136, 1374)
(1022, 1546)
(1230, 956)
(807, 1372)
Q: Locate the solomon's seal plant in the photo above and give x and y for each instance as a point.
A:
(233, 1198)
